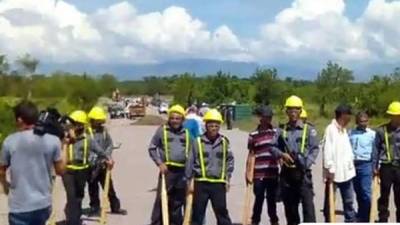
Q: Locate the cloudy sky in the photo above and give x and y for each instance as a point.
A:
(298, 33)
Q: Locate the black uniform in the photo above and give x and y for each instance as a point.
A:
(171, 147)
(77, 175)
(388, 153)
(301, 142)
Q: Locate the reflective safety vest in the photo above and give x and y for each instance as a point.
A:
(389, 150)
(204, 177)
(84, 164)
(168, 161)
(303, 137)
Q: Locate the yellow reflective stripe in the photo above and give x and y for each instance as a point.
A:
(388, 149)
(202, 166)
(175, 164)
(303, 139)
(85, 150)
(74, 167)
(166, 148)
(187, 142)
(211, 180)
(70, 153)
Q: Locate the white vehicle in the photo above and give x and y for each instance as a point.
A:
(163, 108)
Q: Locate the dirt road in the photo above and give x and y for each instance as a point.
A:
(135, 178)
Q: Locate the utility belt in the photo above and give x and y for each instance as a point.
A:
(175, 169)
(394, 163)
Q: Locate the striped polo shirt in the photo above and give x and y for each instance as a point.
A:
(261, 143)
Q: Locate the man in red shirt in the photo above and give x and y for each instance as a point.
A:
(266, 167)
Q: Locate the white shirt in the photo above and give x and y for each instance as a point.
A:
(338, 155)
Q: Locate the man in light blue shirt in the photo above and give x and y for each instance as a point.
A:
(362, 140)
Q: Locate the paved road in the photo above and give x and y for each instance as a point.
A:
(135, 178)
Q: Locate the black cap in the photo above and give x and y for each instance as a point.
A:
(343, 109)
(265, 111)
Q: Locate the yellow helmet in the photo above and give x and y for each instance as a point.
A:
(177, 109)
(97, 113)
(213, 115)
(294, 101)
(394, 108)
(303, 114)
(79, 116)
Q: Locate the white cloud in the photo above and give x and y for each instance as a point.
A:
(316, 31)
(56, 31)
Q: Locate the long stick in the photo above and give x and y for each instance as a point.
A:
(164, 201)
(332, 205)
(52, 219)
(247, 197)
(374, 199)
(188, 208)
(105, 204)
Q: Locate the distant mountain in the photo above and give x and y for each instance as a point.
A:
(133, 72)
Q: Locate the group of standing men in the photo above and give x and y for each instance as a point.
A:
(279, 164)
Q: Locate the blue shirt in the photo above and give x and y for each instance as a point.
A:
(30, 159)
(362, 142)
(193, 127)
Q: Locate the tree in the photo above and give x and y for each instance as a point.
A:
(266, 84)
(27, 64)
(184, 89)
(4, 66)
(332, 84)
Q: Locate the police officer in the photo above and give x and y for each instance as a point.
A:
(98, 132)
(76, 176)
(168, 149)
(298, 144)
(388, 156)
(211, 163)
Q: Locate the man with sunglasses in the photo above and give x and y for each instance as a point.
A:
(169, 149)
(362, 140)
(298, 148)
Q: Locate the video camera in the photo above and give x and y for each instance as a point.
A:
(50, 121)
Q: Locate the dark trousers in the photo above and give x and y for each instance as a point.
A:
(390, 176)
(216, 193)
(176, 189)
(266, 188)
(37, 217)
(94, 191)
(362, 186)
(74, 184)
(346, 191)
(297, 187)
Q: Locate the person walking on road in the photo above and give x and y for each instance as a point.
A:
(338, 162)
(266, 166)
(169, 149)
(211, 164)
(193, 122)
(388, 162)
(298, 148)
(29, 158)
(362, 140)
(77, 174)
(99, 133)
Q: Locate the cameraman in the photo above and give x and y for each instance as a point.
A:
(30, 159)
(79, 148)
